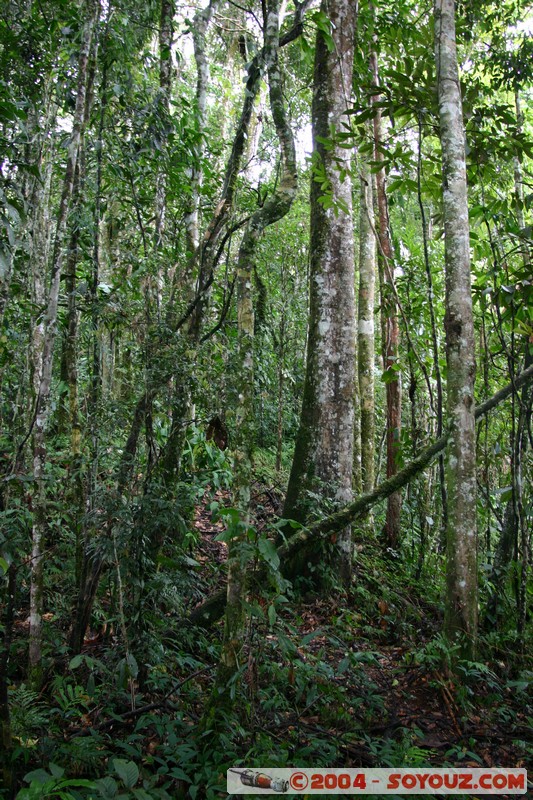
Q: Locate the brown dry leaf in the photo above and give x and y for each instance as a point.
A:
(432, 741)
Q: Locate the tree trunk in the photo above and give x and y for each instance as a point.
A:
(323, 457)
(390, 327)
(209, 250)
(192, 218)
(434, 339)
(43, 349)
(281, 374)
(6, 739)
(274, 209)
(461, 601)
(365, 316)
(518, 182)
(165, 88)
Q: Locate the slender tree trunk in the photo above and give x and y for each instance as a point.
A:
(522, 543)
(192, 219)
(434, 338)
(324, 446)
(390, 327)
(518, 182)
(512, 546)
(365, 315)
(461, 601)
(43, 359)
(39, 260)
(69, 355)
(274, 209)
(165, 91)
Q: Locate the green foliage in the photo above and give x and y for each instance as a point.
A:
(29, 715)
(400, 751)
(44, 785)
(311, 677)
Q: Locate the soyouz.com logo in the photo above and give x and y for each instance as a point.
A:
(376, 781)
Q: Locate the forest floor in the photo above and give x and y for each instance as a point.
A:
(332, 678)
(366, 671)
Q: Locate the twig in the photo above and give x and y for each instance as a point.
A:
(448, 699)
(136, 712)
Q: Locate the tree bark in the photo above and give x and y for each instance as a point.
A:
(323, 457)
(434, 339)
(192, 221)
(461, 546)
(390, 326)
(365, 323)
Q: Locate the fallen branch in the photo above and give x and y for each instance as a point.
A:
(120, 719)
(213, 608)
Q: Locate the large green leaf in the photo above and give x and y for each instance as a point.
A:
(127, 771)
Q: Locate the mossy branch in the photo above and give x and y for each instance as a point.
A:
(213, 608)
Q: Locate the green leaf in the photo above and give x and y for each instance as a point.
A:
(127, 771)
(191, 562)
(269, 553)
(310, 636)
(141, 794)
(272, 615)
(225, 536)
(39, 776)
(282, 523)
(4, 566)
(133, 667)
(390, 374)
(56, 770)
(178, 773)
(76, 661)
(69, 782)
(107, 787)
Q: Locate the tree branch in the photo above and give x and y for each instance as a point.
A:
(213, 608)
